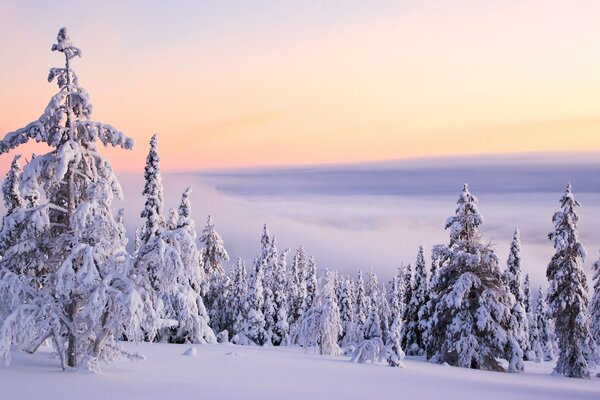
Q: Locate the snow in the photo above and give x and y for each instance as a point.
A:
(294, 374)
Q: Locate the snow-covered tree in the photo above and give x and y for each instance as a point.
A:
(527, 295)
(78, 291)
(362, 305)
(237, 304)
(154, 223)
(414, 332)
(595, 305)
(349, 334)
(321, 326)
(544, 328)
(221, 318)
(512, 278)
(471, 322)
(297, 287)
(311, 283)
(281, 330)
(408, 287)
(174, 262)
(567, 293)
(254, 328)
(212, 251)
(395, 354)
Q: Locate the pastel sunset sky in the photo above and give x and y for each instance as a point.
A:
(253, 83)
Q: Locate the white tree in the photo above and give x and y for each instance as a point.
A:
(212, 251)
(544, 328)
(521, 316)
(595, 305)
(154, 223)
(567, 293)
(395, 354)
(254, 328)
(297, 288)
(79, 291)
(311, 283)
(414, 331)
(471, 320)
(177, 277)
(321, 325)
(281, 331)
(237, 302)
(349, 335)
(362, 305)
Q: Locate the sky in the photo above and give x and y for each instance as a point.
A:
(257, 83)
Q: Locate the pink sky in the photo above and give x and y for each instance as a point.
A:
(254, 83)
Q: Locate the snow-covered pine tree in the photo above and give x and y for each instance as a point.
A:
(372, 326)
(154, 222)
(254, 327)
(281, 331)
(178, 279)
(212, 251)
(13, 203)
(439, 257)
(349, 336)
(521, 316)
(414, 332)
(80, 292)
(395, 354)
(595, 305)
(408, 287)
(471, 325)
(297, 288)
(527, 295)
(567, 293)
(237, 305)
(219, 312)
(362, 305)
(311, 283)
(321, 325)
(542, 319)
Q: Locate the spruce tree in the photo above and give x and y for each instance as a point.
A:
(544, 329)
(321, 325)
(281, 330)
(237, 302)
(414, 332)
(567, 293)
(520, 314)
(75, 285)
(297, 287)
(154, 223)
(595, 305)
(178, 280)
(347, 314)
(471, 322)
(212, 250)
(362, 305)
(395, 353)
(254, 327)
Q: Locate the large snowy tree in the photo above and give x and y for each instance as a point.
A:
(471, 323)
(154, 223)
(78, 290)
(567, 293)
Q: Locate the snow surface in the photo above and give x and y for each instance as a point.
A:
(275, 373)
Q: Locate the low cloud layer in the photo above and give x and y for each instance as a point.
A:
(355, 217)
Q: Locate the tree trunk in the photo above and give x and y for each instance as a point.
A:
(72, 345)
